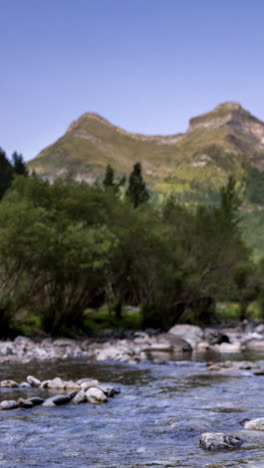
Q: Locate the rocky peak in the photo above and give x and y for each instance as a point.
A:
(234, 116)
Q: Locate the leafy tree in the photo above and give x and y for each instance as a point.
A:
(137, 192)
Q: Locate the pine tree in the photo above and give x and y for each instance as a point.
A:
(6, 173)
(109, 177)
(18, 164)
(137, 192)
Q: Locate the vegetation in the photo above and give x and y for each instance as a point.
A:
(68, 248)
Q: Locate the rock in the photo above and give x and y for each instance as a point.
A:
(89, 384)
(215, 336)
(36, 400)
(25, 385)
(191, 333)
(8, 384)
(80, 397)
(70, 384)
(255, 345)
(256, 424)
(72, 394)
(33, 381)
(95, 395)
(228, 347)
(24, 403)
(64, 342)
(109, 391)
(203, 346)
(56, 383)
(219, 441)
(8, 404)
(56, 400)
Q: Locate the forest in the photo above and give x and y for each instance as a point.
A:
(69, 247)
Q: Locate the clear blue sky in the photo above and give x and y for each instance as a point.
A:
(146, 65)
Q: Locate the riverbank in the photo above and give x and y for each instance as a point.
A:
(134, 347)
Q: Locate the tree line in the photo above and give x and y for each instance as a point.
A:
(68, 246)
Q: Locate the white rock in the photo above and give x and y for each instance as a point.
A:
(33, 381)
(8, 404)
(95, 395)
(219, 441)
(191, 333)
(228, 347)
(256, 424)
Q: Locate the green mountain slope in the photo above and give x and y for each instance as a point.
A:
(193, 165)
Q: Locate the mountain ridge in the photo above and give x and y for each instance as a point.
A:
(215, 144)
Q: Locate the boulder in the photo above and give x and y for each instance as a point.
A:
(255, 424)
(219, 441)
(95, 395)
(191, 333)
(80, 397)
(8, 404)
(33, 381)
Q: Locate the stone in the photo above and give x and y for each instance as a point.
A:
(72, 394)
(255, 345)
(56, 383)
(33, 381)
(228, 347)
(8, 404)
(25, 385)
(255, 424)
(95, 395)
(89, 384)
(219, 441)
(191, 333)
(109, 391)
(25, 403)
(36, 400)
(8, 384)
(80, 397)
(56, 400)
(70, 384)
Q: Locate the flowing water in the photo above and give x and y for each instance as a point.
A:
(155, 421)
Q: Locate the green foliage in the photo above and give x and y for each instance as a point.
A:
(68, 246)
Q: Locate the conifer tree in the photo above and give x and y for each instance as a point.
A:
(137, 192)
(18, 164)
(6, 173)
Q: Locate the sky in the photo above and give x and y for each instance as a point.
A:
(146, 65)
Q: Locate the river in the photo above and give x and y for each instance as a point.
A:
(155, 421)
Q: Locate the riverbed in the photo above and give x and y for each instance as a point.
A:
(156, 420)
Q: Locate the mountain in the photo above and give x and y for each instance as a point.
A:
(227, 140)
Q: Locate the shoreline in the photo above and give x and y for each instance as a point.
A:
(137, 346)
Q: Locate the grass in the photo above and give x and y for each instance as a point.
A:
(104, 318)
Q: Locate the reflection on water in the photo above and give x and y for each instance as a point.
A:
(155, 421)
